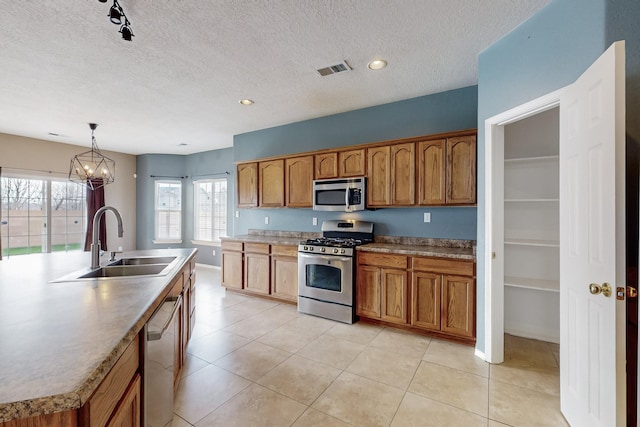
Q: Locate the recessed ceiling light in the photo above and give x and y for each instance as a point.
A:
(246, 102)
(378, 64)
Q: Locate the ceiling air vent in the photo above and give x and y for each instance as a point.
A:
(334, 69)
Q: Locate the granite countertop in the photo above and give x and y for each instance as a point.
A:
(443, 248)
(60, 339)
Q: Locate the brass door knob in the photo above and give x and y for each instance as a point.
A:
(596, 289)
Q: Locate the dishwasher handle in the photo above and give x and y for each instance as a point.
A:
(156, 335)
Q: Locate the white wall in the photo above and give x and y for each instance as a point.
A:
(18, 152)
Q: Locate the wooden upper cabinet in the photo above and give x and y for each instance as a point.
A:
(299, 181)
(326, 166)
(271, 183)
(461, 170)
(432, 160)
(351, 163)
(247, 185)
(379, 176)
(403, 168)
(391, 175)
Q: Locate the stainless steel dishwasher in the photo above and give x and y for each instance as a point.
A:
(161, 332)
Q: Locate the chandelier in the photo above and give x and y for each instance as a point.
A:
(92, 168)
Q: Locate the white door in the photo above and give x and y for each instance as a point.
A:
(592, 244)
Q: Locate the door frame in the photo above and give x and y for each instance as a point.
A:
(494, 216)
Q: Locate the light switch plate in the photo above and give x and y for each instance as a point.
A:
(427, 217)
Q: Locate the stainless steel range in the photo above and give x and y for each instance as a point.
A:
(327, 270)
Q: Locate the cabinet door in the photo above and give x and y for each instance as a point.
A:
(461, 170)
(232, 269)
(271, 183)
(326, 166)
(256, 273)
(284, 277)
(458, 305)
(432, 172)
(299, 181)
(128, 412)
(247, 185)
(379, 176)
(368, 291)
(179, 333)
(425, 296)
(394, 295)
(403, 178)
(351, 163)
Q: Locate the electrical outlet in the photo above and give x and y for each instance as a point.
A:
(266, 220)
(427, 217)
(214, 252)
(315, 221)
(237, 214)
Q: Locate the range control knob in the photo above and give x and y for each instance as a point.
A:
(323, 249)
(342, 251)
(305, 248)
(310, 248)
(335, 251)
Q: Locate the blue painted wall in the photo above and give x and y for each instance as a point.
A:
(442, 112)
(210, 164)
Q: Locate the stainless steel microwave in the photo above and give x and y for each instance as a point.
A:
(341, 194)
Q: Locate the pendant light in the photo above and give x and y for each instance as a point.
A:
(92, 168)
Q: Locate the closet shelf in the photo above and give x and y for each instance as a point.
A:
(532, 242)
(532, 159)
(542, 200)
(529, 283)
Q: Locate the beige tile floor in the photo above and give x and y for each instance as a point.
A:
(254, 362)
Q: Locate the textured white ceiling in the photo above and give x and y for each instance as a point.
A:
(63, 64)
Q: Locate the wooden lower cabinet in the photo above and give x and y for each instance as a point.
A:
(57, 419)
(381, 288)
(128, 412)
(257, 268)
(443, 296)
(284, 272)
(261, 269)
(232, 265)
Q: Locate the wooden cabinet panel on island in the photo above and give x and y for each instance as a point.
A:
(381, 288)
(299, 182)
(284, 272)
(256, 268)
(326, 166)
(128, 412)
(461, 170)
(232, 264)
(247, 185)
(271, 183)
(351, 163)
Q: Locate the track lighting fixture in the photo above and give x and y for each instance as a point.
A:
(116, 15)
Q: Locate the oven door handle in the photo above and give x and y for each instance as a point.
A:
(326, 257)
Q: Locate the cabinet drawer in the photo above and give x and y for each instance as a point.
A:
(232, 246)
(382, 260)
(284, 250)
(113, 387)
(257, 248)
(444, 266)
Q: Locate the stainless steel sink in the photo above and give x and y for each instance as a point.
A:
(136, 266)
(144, 260)
(125, 271)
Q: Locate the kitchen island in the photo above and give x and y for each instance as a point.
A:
(60, 339)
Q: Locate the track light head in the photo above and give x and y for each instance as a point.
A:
(126, 31)
(115, 15)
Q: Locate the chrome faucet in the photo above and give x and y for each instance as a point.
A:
(95, 242)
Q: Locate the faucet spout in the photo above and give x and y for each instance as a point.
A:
(95, 242)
